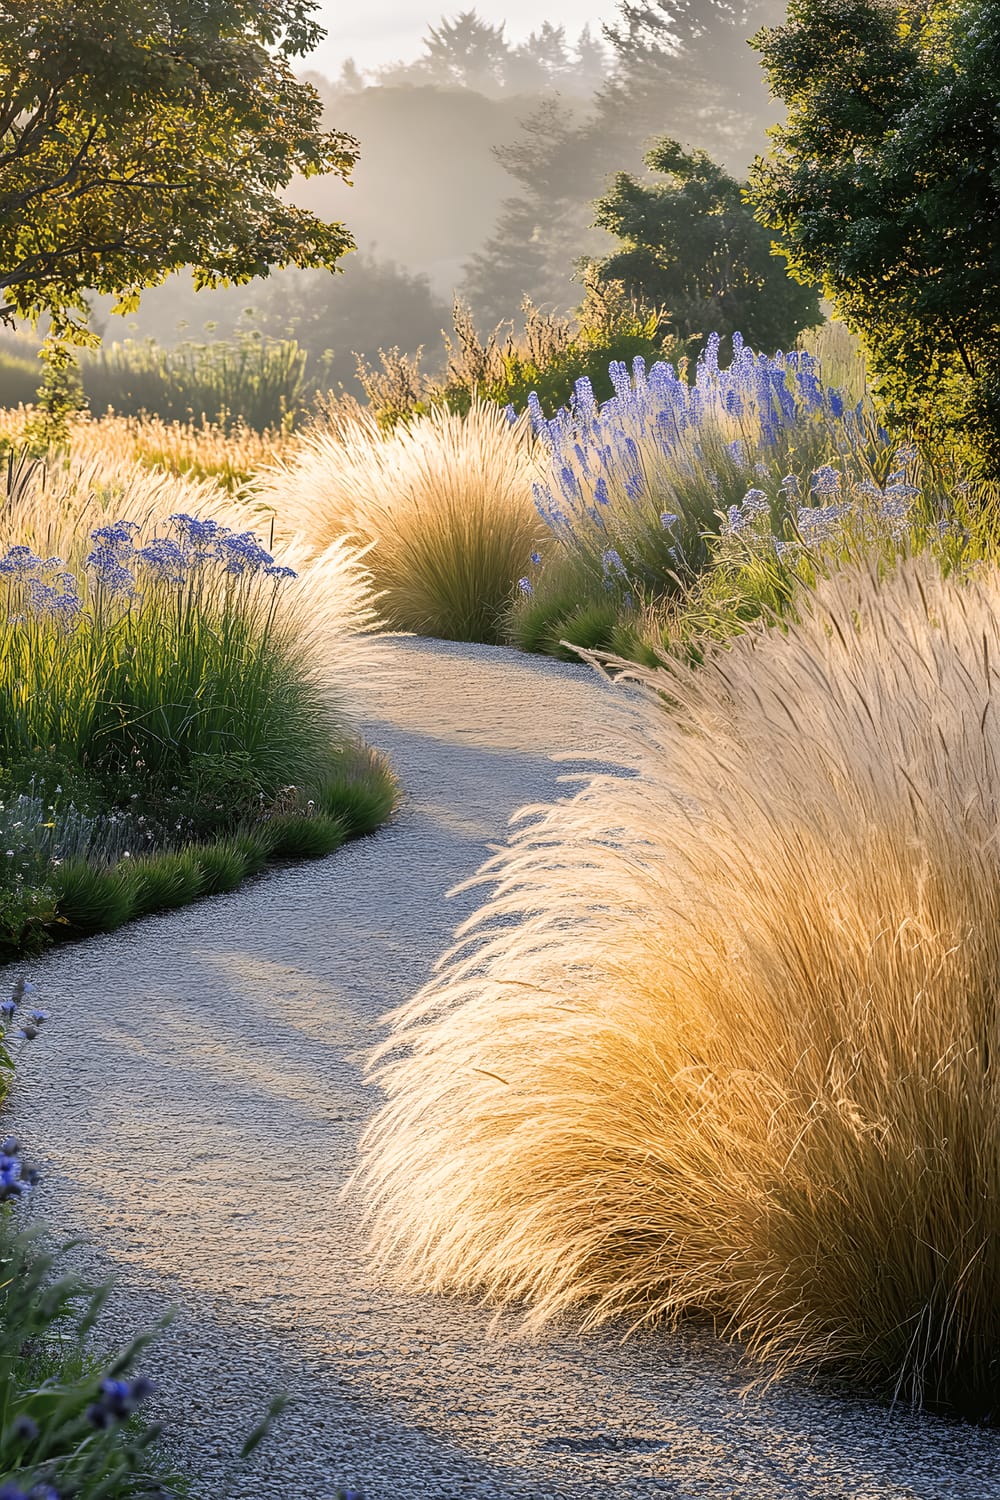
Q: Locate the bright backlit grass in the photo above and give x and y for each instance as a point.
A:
(724, 1039)
(444, 502)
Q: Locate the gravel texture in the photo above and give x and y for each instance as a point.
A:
(194, 1105)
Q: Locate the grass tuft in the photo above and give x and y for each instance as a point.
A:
(445, 503)
(224, 866)
(724, 1039)
(161, 882)
(91, 898)
(292, 836)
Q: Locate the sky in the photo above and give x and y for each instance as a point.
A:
(383, 31)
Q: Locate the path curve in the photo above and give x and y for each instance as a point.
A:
(195, 1103)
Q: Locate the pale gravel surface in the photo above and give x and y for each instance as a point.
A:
(195, 1102)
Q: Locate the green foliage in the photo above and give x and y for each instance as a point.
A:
(356, 785)
(133, 146)
(692, 246)
(547, 359)
(51, 1385)
(683, 68)
(197, 692)
(27, 914)
(159, 882)
(251, 381)
(59, 397)
(148, 734)
(92, 898)
(224, 865)
(564, 606)
(294, 836)
(884, 186)
(251, 846)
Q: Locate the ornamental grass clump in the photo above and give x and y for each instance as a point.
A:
(444, 503)
(174, 710)
(723, 1040)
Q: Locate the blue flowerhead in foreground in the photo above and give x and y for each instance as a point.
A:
(117, 1400)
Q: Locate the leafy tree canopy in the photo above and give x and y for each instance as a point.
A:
(691, 246)
(138, 137)
(885, 185)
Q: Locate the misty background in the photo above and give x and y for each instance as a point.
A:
(483, 148)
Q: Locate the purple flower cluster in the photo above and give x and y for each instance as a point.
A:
(116, 563)
(39, 586)
(838, 503)
(598, 451)
(45, 589)
(15, 1178)
(240, 553)
(117, 1400)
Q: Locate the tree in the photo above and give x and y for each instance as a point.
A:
(683, 67)
(466, 52)
(691, 246)
(373, 305)
(142, 136)
(884, 184)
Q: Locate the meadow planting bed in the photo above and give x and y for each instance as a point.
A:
(171, 715)
(716, 1052)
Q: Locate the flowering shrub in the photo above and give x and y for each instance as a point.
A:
(648, 491)
(637, 485)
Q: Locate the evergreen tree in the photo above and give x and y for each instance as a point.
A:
(683, 67)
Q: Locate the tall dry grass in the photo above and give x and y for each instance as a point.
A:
(725, 1038)
(444, 503)
(196, 450)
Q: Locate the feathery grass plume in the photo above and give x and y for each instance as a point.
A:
(63, 497)
(198, 450)
(445, 504)
(724, 1039)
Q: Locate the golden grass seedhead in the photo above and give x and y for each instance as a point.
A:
(724, 1039)
(445, 503)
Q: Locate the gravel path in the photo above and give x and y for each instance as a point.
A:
(194, 1105)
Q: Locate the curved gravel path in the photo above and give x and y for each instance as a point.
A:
(195, 1103)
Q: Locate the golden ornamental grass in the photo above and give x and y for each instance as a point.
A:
(444, 502)
(197, 450)
(724, 1039)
